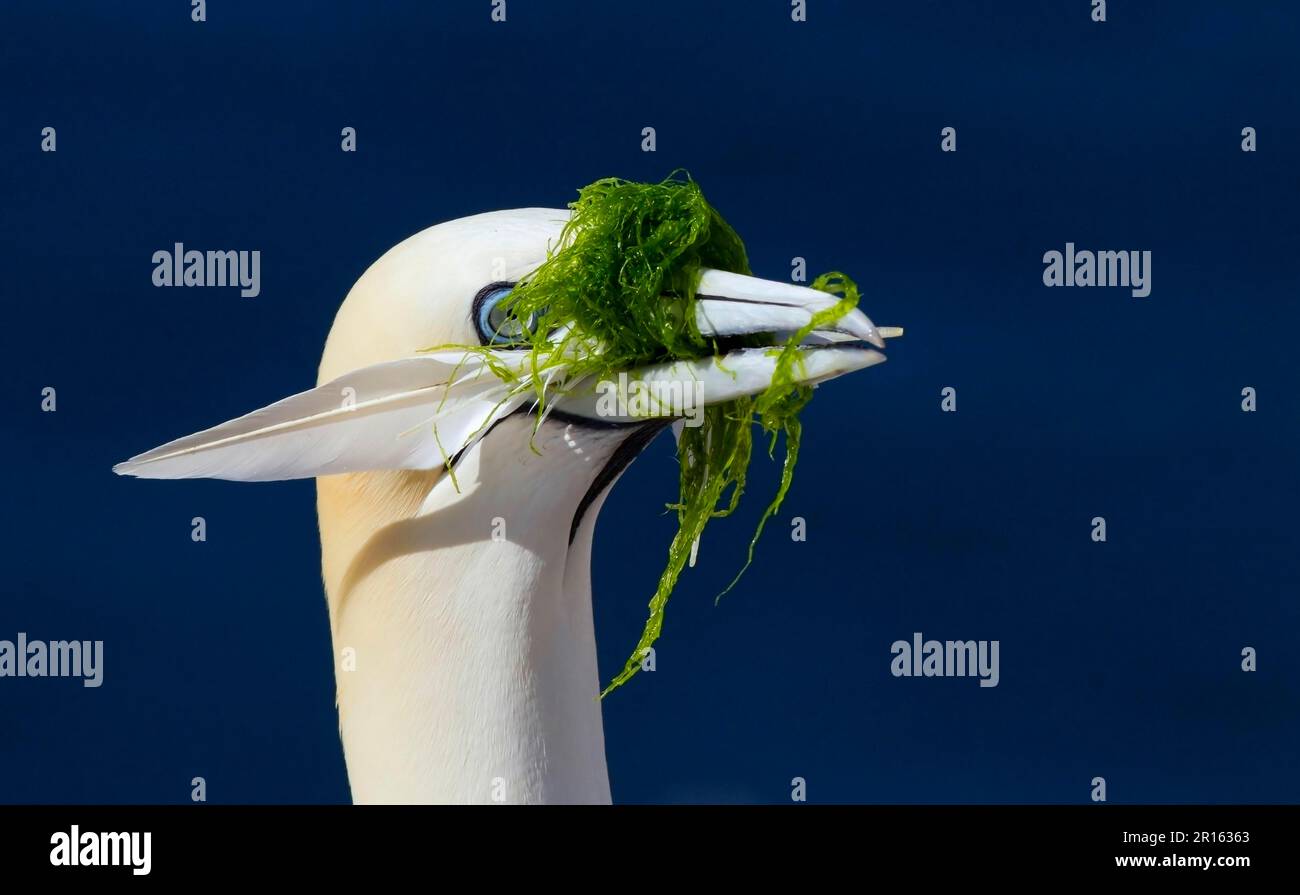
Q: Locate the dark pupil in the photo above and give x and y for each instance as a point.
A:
(504, 324)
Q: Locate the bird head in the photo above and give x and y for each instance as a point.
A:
(397, 391)
(456, 513)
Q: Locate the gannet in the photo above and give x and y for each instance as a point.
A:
(460, 605)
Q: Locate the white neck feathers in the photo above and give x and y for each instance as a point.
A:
(464, 645)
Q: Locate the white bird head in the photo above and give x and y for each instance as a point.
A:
(456, 537)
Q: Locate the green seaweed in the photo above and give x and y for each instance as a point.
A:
(626, 248)
(597, 306)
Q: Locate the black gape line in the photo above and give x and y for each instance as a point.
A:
(624, 454)
(640, 437)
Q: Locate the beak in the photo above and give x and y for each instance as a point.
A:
(731, 304)
(416, 412)
(728, 305)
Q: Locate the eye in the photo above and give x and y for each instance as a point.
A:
(495, 325)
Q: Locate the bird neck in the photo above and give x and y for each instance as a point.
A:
(465, 648)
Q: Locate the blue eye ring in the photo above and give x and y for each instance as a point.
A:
(493, 328)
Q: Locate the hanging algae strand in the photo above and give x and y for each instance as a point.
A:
(716, 456)
(617, 291)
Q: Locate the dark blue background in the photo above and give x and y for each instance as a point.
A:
(818, 139)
